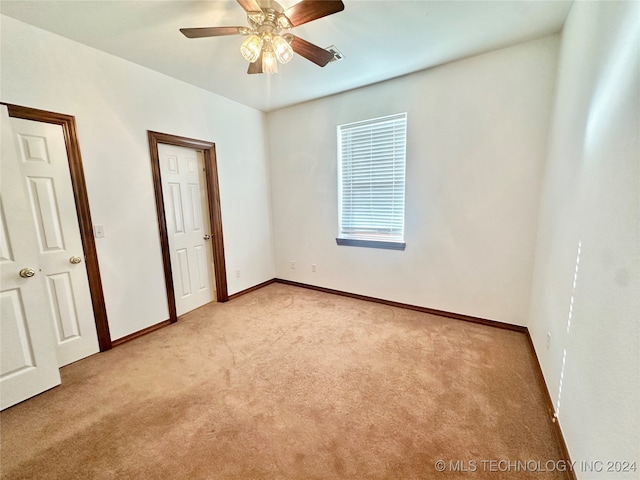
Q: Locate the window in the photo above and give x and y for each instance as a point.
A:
(371, 182)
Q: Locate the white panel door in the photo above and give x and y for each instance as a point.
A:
(28, 363)
(186, 211)
(44, 171)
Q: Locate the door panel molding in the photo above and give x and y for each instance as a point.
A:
(215, 214)
(70, 132)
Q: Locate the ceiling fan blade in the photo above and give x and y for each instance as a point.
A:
(210, 31)
(311, 52)
(256, 67)
(250, 5)
(308, 10)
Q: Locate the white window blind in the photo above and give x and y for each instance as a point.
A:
(371, 178)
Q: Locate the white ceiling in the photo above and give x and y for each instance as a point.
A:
(380, 39)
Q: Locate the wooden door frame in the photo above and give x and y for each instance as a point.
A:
(215, 214)
(76, 171)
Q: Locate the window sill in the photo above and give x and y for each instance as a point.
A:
(352, 242)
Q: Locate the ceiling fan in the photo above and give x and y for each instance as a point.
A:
(268, 39)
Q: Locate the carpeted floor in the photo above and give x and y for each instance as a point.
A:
(289, 383)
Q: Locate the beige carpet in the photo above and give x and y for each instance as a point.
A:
(289, 383)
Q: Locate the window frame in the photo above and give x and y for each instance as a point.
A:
(376, 239)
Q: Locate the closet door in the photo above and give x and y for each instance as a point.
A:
(28, 363)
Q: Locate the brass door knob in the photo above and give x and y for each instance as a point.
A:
(27, 272)
(75, 260)
(207, 237)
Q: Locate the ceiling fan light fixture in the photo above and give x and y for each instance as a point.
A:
(268, 41)
(282, 49)
(269, 62)
(251, 47)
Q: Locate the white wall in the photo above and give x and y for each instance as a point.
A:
(477, 136)
(115, 102)
(591, 198)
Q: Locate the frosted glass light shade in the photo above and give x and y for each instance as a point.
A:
(282, 49)
(269, 62)
(250, 48)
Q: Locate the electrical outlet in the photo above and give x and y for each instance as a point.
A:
(293, 265)
(548, 339)
(237, 273)
(313, 268)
